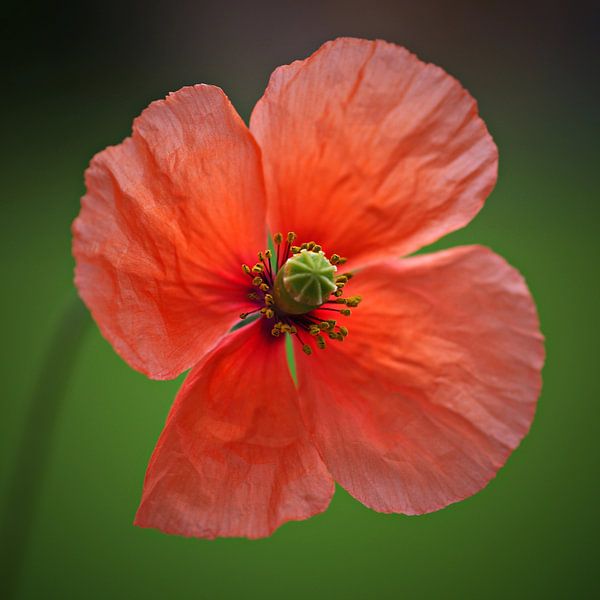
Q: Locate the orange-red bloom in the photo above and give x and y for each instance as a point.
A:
(420, 395)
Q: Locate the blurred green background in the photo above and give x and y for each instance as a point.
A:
(76, 76)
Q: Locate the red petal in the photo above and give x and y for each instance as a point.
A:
(234, 458)
(169, 216)
(370, 151)
(435, 385)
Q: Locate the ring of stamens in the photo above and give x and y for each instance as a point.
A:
(263, 276)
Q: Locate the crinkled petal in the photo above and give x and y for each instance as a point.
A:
(370, 151)
(169, 216)
(234, 458)
(434, 386)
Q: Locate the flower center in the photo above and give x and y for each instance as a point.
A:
(298, 289)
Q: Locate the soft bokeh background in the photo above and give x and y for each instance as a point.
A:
(76, 75)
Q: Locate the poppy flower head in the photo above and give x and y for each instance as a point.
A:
(431, 369)
(299, 292)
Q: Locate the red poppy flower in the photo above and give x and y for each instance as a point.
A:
(413, 401)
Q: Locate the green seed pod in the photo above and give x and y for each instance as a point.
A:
(305, 282)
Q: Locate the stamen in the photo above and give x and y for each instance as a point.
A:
(277, 239)
(291, 236)
(305, 347)
(266, 261)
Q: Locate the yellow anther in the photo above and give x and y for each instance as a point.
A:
(269, 300)
(260, 256)
(342, 260)
(275, 332)
(321, 342)
(310, 245)
(304, 246)
(295, 249)
(317, 248)
(257, 281)
(269, 313)
(333, 335)
(258, 268)
(338, 292)
(278, 238)
(278, 325)
(335, 259)
(341, 279)
(285, 328)
(353, 301)
(264, 287)
(341, 301)
(307, 349)
(291, 236)
(332, 323)
(253, 296)
(268, 254)
(314, 330)
(324, 326)
(343, 330)
(263, 310)
(346, 312)
(246, 269)
(293, 329)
